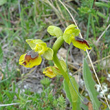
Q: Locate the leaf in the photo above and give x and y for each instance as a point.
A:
(74, 94)
(84, 103)
(90, 85)
(71, 93)
(66, 88)
(84, 106)
(2, 2)
(1, 54)
(101, 15)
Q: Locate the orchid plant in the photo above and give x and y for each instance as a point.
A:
(39, 49)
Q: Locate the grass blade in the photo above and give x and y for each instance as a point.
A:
(3, 2)
(102, 4)
(1, 54)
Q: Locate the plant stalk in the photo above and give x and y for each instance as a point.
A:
(56, 46)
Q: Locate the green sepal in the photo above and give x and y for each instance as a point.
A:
(48, 54)
(70, 32)
(67, 38)
(54, 31)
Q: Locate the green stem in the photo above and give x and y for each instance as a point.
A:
(71, 88)
(56, 46)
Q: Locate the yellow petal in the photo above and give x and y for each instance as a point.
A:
(48, 72)
(37, 45)
(71, 29)
(30, 59)
(50, 75)
(80, 43)
(21, 60)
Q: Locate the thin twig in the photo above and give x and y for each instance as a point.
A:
(87, 52)
(4, 105)
(102, 33)
(71, 8)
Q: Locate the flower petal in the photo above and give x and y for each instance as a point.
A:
(80, 43)
(71, 29)
(21, 60)
(30, 59)
(37, 45)
(51, 71)
(35, 62)
(70, 32)
(67, 38)
(48, 72)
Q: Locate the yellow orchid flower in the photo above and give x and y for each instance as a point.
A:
(51, 71)
(33, 57)
(30, 59)
(70, 34)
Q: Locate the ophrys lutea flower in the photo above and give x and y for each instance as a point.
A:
(33, 57)
(70, 35)
(52, 71)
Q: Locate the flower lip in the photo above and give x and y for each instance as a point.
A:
(31, 55)
(24, 63)
(81, 40)
(49, 70)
